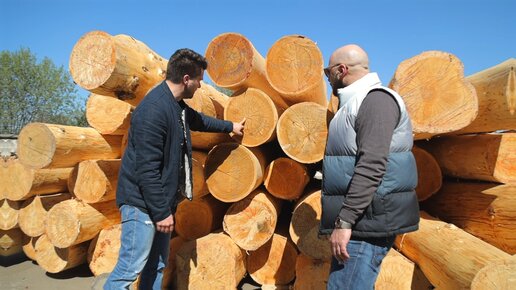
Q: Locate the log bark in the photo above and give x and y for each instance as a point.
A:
(55, 260)
(24, 182)
(448, 256)
(260, 113)
(118, 66)
(271, 264)
(496, 92)
(95, 181)
(199, 217)
(233, 171)
(302, 131)
(429, 175)
(496, 275)
(304, 227)
(11, 242)
(251, 222)
(9, 212)
(169, 273)
(437, 96)
(398, 272)
(108, 115)
(311, 273)
(489, 157)
(286, 178)
(235, 64)
(211, 262)
(103, 250)
(294, 67)
(200, 188)
(29, 247)
(32, 216)
(209, 101)
(71, 222)
(47, 145)
(485, 210)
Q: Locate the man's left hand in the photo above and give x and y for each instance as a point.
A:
(339, 240)
(238, 128)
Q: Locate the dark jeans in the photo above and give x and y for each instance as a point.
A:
(361, 269)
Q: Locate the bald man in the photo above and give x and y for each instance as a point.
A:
(369, 172)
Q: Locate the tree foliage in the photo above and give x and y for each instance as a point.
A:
(36, 92)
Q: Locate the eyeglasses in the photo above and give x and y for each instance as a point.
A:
(327, 70)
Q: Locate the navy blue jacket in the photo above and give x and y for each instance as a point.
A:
(149, 174)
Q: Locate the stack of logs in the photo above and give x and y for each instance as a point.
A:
(256, 206)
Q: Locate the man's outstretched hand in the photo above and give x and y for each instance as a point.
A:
(238, 128)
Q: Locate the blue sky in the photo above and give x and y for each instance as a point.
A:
(480, 33)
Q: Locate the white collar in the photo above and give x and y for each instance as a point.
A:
(367, 81)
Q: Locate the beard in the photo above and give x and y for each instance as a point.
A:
(336, 85)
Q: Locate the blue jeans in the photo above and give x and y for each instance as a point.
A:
(142, 250)
(361, 269)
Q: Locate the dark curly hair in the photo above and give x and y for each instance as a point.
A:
(185, 62)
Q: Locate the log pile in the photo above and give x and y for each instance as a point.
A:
(256, 206)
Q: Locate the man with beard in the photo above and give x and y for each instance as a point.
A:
(369, 172)
(156, 170)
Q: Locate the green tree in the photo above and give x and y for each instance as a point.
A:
(36, 92)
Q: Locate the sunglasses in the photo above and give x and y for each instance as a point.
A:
(327, 70)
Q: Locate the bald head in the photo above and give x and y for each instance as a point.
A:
(351, 55)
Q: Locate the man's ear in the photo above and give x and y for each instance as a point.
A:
(186, 78)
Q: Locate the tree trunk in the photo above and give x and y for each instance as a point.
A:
(398, 272)
(496, 91)
(271, 264)
(55, 260)
(169, 273)
(235, 64)
(251, 222)
(9, 211)
(429, 175)
(11, 242)
(260, 113)
(302, 132)
(438, 98)
(103, 250)
(211, 262)
(24, 182)
(485, 210)
(286, 178)
(71, 222)
(32, 216)
(233, 171)
(449, 257)
(48, 145)
(29, 247)
(496, 275)
(108, 115)
(118, 66)
(200, 188)
(209, 101)
(490, 157)
(199, 217)
(294, 67)
(95, 181)
(304, 227)
(311, 273)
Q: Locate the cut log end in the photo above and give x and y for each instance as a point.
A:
(36, 145)
(429, 174)
(93, 59)
(55, 260)
(294, 64)
(497, 275)
(286, 178)
(108, 115)
(260, 113)
(230, 57)
(65, 232)
(302, 132)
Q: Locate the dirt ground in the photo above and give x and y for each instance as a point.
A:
(19, 273)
